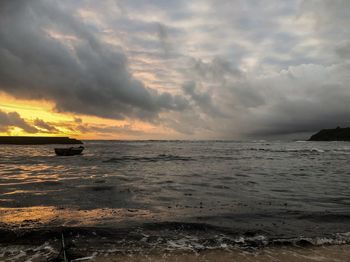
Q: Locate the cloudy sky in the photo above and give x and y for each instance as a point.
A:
(158, 69)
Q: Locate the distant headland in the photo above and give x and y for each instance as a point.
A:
(37, 140)
(336, 134)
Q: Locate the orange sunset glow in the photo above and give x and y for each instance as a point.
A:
(68, 124)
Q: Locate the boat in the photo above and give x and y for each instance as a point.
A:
(70, 151)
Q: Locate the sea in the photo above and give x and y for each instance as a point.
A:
(139, 197)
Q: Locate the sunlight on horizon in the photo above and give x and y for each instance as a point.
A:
(68, 124)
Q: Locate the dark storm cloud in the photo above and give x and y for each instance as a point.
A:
(13, 119)
(47, 53)
(303, 99)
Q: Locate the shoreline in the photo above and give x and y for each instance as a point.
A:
(94, 252)
(38, 140)
(156, 244)
(327, 253)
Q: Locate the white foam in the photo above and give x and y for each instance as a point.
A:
(85, 258)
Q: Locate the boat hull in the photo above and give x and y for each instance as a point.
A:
(69, 151)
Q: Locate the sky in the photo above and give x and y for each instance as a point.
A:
(200, 69)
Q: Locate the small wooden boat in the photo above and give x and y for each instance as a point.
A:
(70, 151)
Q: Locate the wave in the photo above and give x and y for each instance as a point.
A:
(292, 150)
(334, 239)
(119, 250)
(161, 157)
(148, 234)
(162, 236)
(170, 157)
(289, 150)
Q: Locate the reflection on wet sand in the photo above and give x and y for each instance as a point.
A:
(40, 216)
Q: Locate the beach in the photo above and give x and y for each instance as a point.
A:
(333, 253)
(285, 254)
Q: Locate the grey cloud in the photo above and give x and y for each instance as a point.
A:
(164, 38)
(46, 126)
(219, 88)
(216, 70)
(13, 119)
(304, 90)
(202, 99)
(343, 50)
(302, 99)
(82, 75)
(232, 68)
(286, 91)
(104, 130)
(328, 15)
(315, 97)
(330, 21)
(126, 129)
(78, 120)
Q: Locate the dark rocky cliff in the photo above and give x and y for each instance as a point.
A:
(31, 140)
(337, 134)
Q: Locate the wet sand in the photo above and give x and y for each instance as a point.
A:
(334, 253)
(328, 253)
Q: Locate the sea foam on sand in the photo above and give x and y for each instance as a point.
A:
(325, 253)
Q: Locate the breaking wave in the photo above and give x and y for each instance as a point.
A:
(164, 237)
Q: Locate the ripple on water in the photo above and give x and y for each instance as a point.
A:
(165, 177)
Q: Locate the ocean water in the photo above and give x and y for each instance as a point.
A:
(175, 195)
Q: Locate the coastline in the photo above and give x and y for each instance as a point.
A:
(48, 252)
(150, 243)
(38, 140)
(330, 253)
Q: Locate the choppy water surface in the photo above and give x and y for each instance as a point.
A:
(266, 190)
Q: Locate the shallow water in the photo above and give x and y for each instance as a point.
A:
(264, 190)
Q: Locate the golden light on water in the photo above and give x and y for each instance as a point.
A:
(41, 215)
